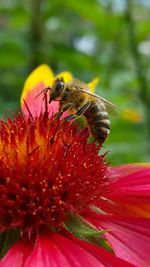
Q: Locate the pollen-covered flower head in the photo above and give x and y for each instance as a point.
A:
(46, 169)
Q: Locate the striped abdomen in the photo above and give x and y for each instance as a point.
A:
(98, 122)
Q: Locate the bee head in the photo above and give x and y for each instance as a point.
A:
(57, 89)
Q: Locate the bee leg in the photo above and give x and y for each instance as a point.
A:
(62, 110)
(83, 109)
(79, 112)
(58, 115)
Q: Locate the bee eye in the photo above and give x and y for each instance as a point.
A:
(59, 86)
(56, 90)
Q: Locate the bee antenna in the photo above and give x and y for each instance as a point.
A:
(43, 91)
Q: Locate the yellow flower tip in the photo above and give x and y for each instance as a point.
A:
(143, 210)
(132, 115)
(144, 164)
(92, 85)
(42, 73)
(66, 75)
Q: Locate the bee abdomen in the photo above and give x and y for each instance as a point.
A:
(98, 122)
(100, 129)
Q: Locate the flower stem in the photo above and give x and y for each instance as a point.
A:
(36, 29)
(140, 70)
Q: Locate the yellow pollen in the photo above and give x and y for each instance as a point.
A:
(54, 187)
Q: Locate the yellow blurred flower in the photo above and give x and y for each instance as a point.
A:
(132, 115)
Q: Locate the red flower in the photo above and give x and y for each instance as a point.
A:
(60, 199)
(42, 175)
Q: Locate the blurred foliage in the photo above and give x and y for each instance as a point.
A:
(109, 39)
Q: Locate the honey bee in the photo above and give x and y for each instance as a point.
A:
(76, 97)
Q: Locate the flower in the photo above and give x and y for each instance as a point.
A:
(132, 115)
(62, 205)
(41, 173)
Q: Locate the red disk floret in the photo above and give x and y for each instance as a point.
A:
(47, 170)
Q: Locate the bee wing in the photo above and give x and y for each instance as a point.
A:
(83, 87)
(111, 108)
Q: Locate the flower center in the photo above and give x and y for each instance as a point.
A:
(46, 171)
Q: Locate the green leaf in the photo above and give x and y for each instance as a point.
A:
(79, 227)
(83, 230)
(7, 239)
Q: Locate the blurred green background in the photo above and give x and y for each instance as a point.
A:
(90, 38)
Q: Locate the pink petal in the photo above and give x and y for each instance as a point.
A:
(54, 250)
(106, 258)
(46, 254)
(38, 80)
(17, 255)
(126, 169)
(131, 179)
(35, 105)
(129, 237)
(129, 241)
(57, 251)
(124, 212)
(129, 192)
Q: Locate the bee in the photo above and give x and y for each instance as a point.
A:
(75, 97)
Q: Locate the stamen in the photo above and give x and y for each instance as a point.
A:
(30, 114)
